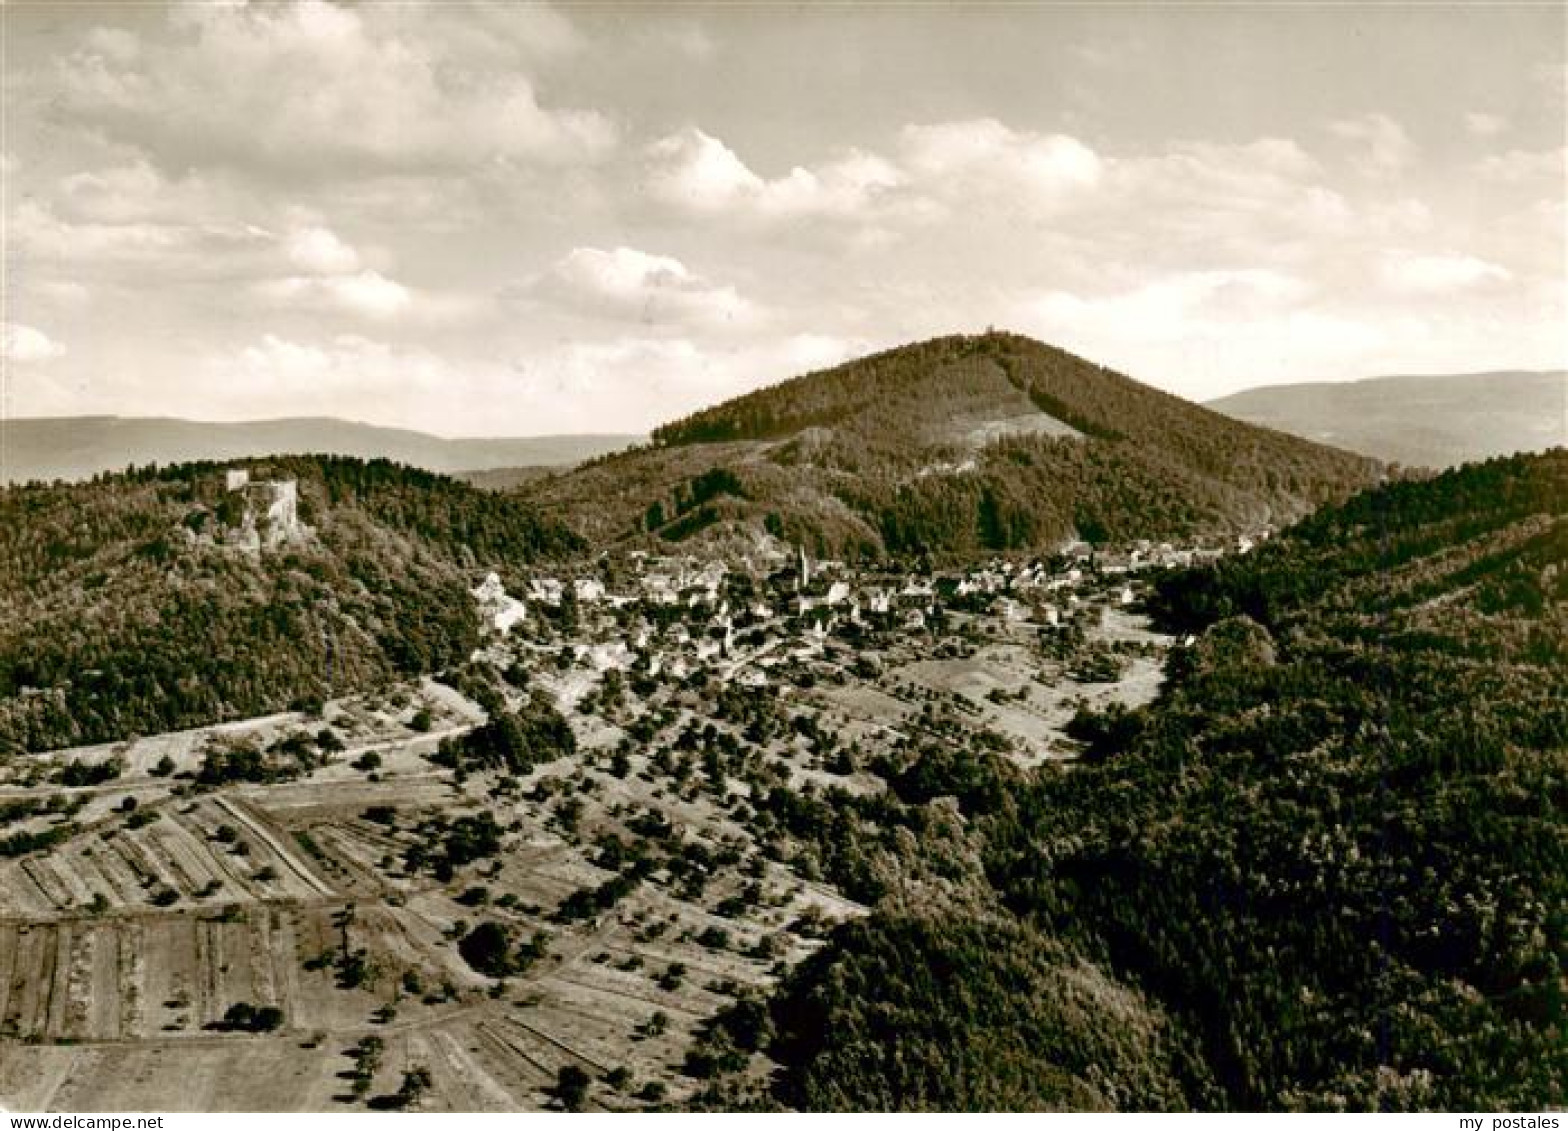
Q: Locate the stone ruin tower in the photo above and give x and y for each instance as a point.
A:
(271, 510)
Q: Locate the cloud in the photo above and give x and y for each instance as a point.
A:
(968, 176)
(1203, 333)
(698, 172)
(134, 192)
(25, 344)
(612, 383)
(347, 375)
(951, 156)
(634, 382)
(689, 39)
(628, 284)
(366, 293)
(1383, 141)
(1192, 202)
(61, 292)
(1167, 306)
(319, 251)
(129, 213)
(606, 384)
(199, 248)
(330, 273)
(313, 88)
(1485, 125)
(1520, 166)
(1437, 274)
(807, 352)
(932, 170)
(493, 33)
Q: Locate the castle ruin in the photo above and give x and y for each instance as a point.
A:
(270, 514)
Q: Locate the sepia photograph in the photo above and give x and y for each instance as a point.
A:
(773, 557)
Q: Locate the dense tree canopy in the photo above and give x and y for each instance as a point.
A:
(958, 445)
(117, 617)
(1326, 869)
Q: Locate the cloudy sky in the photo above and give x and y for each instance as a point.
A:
(495, 219)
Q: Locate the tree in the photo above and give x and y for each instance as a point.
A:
(488, 949)
(416, 1082)
(571, 1087)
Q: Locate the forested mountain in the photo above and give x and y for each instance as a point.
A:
(117, 617)
(1434, 421)
(76, 447)
(958, 444)
(1327, 868)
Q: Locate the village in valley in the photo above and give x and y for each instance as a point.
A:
(532, 881)
(998, 641)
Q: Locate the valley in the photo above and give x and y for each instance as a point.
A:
(318, 863)
(867, 742)
(763, 559)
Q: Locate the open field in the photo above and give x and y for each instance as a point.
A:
(122, 948)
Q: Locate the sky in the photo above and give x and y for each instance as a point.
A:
(506, 219)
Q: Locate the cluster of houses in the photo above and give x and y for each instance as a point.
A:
(675, 616)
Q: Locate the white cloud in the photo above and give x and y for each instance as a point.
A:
(981, 174)
(1192, 202)
(136, 191)
(335, 278)
(24, 344)
(130, 214)
(935, 167)
(198, 248)
(690, 40)
(1204, 333)
(492, 33)
(1485, 125)
(1167, 307)
(313, 87)
(613, 383)
(306, 168)
(696, 171)
(628, 284)
(954, 154)
(366, 293)
(349, 376)
(610, 384)
(1437, 274)
(61, 292)
(807, 352)
(1382, 141)
(1521, 166)
(319, 251)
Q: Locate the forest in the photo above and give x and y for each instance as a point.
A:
(116, 619)
(1325, 870)
(954, 446)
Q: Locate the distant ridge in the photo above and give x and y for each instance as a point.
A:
(1428, 421)
(78, 447)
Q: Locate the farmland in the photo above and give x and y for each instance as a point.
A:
(282, 912)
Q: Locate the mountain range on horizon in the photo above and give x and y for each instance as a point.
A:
(78, 447)
(1431, 420)
(1436, 421)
